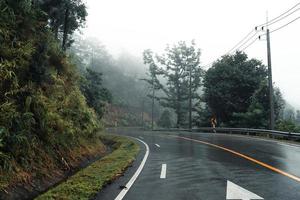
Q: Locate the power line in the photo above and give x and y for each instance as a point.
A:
(246, 38)
(279, 15)
(250, 44)
(269, 24)
(284, 25)
(247, 41)
(240, 41)
(239, 45)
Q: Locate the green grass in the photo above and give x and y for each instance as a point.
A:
(89, 181)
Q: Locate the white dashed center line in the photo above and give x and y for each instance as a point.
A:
(163, 173)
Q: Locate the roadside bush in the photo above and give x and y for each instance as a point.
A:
(287, 125)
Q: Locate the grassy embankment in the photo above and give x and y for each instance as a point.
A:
(86, 183)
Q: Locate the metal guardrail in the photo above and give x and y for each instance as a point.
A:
(247, 131)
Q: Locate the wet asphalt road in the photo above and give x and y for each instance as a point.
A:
(199, 171)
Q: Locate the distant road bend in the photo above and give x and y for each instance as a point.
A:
(206, 166)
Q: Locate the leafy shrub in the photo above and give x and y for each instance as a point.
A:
(287, 125)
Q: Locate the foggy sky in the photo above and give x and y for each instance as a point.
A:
(216, 25)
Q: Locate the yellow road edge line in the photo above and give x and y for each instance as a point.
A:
(296, 178)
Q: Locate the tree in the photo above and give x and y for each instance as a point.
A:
(95, 94)
(40, 101)
(203, 115)
(290, 114)
(298, 117)
(180, 66)
(236, 91)
(165, 119)
(65, 16)
(258, 111)
(122, 77)
(152, 79)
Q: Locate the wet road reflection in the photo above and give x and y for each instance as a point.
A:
(199, 171)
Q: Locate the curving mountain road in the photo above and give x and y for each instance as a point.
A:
(207, 166)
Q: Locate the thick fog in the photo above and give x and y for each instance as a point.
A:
(135, 25)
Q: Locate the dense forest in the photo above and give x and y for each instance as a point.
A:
(50, 111)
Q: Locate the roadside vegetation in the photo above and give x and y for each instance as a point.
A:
(48, 115)
(234, 89)
(121, 75)
(89, 181)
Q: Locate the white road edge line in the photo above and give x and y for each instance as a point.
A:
(157, 145)
(163, 171)
(141, 137)
(266, 140)
(288, 145)
(136, 174)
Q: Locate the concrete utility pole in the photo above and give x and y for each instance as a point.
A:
(272, 117)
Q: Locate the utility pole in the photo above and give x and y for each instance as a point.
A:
(143, 112)
(190, 100)
(153, 90)
(271, 100)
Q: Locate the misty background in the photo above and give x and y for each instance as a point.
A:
(126, 28)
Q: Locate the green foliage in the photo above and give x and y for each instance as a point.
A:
(236, 91)
(287, 125)
(41, 105)
(258, 111)
(298, 117)
(203, 115)
(180, 66)
(165, 119)
(65, 16)
(153, 70)
(121, 76)
(86, 183)
(95, 94)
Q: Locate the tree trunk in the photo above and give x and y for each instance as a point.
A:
(178, 106)
(55, 30)
(65, 34)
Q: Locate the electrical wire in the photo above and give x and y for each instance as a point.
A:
(240, 42)
(246, 41)
(250, 44)
(236, 45)
(272, 31)
(266, 23)
(269, 24)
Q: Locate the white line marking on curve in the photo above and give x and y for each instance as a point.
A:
(141, 137)
(163, 171)
(136, 174)
(157, 145)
